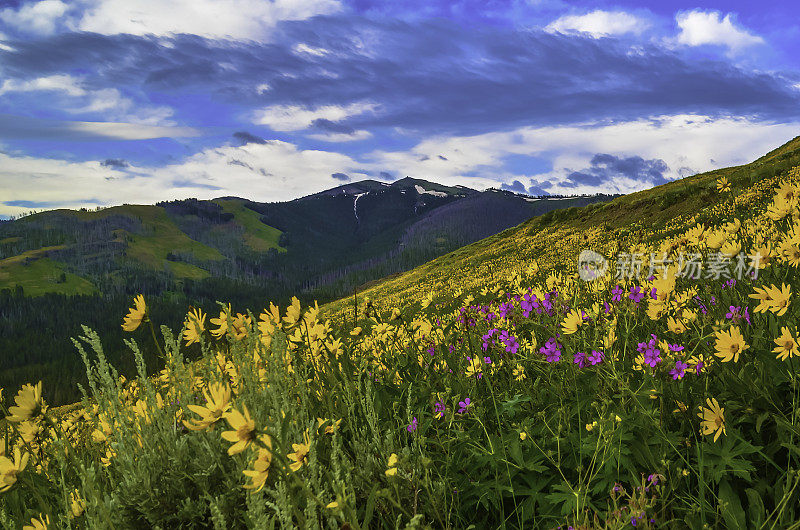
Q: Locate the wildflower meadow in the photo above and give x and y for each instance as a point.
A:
(515, 394)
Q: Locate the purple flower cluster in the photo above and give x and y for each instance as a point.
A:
(504, 309)
(530, 303)
(617, 293)
(509, 341)
(464, 406)
(679, 371)
(636, 294)
(580, 358)
(488, 339)
(596, 357)
(551, 350)
(650, 350)
(494, 335)
(413, 425)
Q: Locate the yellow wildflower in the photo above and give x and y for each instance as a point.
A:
(29, 403)
(218, 401)
(221, 322)
(572, 322)
(300, 454)
(243, 432)
(779, 298)
(29, 430)
(329, 429)
(136, 315)
(723, 185)
(258, 475)
(195, 325)
(730, 344)
(38, 524)
(292, 312)
(10, 469)
(391, 465)
(713, 419)
(786, 345)
(675, 326)
(76, 503)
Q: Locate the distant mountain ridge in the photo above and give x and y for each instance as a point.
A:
(369, 228)
(63, 268)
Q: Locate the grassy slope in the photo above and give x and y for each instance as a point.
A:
(37, 274)
(637, 217)
(258, 236)
(160, 236)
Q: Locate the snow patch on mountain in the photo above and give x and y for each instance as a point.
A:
(422, 190)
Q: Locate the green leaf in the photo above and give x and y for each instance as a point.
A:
(370, 506)
(755, 508)
(731, 507)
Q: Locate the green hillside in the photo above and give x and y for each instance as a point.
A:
(629, 220)
(257, 236)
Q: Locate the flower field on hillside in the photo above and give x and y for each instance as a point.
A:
(659, 391)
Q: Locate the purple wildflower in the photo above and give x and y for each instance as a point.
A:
(438, 410)
(551, 350)
(528, 303)
(579, 358)
(636, 294)
(617, 292)
(654, 293)
(650, 351)
(504, 309)
(464, 406)
(413, 425)
(596, 357)
(510, 342)
(679, 371)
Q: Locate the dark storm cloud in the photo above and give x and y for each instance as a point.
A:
(247, 138)
(341, 176)
(540, 188)
(516, 186)
(604, 167)
(432, 76)
(116, 163)
(332, 126)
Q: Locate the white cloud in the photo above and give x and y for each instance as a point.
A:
(342, 137)
(279, 171)
(295, 118)
(107, 101)
(700, 143)
(305, 48)
(35, 17)
(236, 19)
(130, 131)
(698, 27)
(599, 24)
(275, 171)
(57, 83)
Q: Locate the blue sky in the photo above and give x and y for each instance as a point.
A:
(111, 101)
